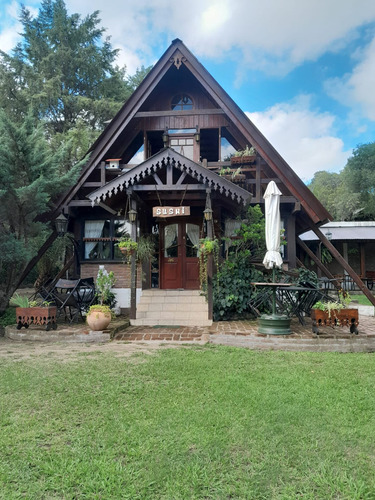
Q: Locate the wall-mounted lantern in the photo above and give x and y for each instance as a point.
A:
(165, 138)
(208, 214)
(132, 215)
(197, 135)
(61, 225)
(328, 235)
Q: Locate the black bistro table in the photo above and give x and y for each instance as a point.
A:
(298, 300)
(290, 299)
(275, 323)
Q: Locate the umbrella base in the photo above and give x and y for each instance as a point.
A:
(274, 324)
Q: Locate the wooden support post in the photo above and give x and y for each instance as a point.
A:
(102, 173)
(362, 255)
(133, 269)
(336, 254)
(210, 263)
(291, 240)
(311, 254)
(37, 257)
(258, 193)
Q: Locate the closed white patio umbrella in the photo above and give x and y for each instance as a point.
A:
(272, 195)
(275, 324)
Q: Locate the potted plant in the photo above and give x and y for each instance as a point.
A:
(244, 156)
(232, 175)
(127, 246)
(99, 315)
(335, 313)
(34, 312)
(146, 248)
(207, 247)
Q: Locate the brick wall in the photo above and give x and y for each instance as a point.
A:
(121, 272)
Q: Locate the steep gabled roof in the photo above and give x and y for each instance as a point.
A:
(179, 54)
(167, 156)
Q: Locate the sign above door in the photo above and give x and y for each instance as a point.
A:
(170, 211)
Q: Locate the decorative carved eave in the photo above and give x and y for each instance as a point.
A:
(169, 157)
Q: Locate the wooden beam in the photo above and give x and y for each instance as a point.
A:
(79, 203)
(157, 180)
(169, 188)
(93, 184)
(362, 256)
(133, 268)
(291, 238)
(336, 254)
(109, 209)
(318, 262)
(37, 257)
(297, 207)
(187, 112)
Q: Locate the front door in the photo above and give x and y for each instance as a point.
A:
(179, 256)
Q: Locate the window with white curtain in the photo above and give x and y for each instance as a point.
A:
(100, 237)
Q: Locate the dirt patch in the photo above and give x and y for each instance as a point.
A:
(19, 351)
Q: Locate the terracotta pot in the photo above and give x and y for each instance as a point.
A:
(344, 317)
(126, 251)
(98, 320)
(36, 316)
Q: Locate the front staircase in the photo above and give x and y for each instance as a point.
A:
(172, 308)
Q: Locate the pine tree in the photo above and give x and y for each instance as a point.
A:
(31, 177)
(65, 68)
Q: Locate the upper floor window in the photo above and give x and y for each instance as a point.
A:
(182, 102)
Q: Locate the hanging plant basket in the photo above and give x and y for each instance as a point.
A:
(127, 251)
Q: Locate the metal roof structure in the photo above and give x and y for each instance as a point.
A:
(344, 230)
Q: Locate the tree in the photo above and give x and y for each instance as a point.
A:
(33, 176)
(65, 69)
(336, 195)
(359, 176)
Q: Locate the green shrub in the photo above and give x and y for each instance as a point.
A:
(232, 289)
(8, 317)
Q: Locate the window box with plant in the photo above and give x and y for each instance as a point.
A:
(99, 315)
(232, 175)
(244, 156)
(33, 312)
(335, 313)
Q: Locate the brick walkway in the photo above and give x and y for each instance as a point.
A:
(245, 334)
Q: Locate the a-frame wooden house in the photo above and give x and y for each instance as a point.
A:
(181, 117)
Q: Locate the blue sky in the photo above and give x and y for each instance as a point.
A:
(303, 71)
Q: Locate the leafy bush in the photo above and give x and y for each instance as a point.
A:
(232, 289)
(8, 317)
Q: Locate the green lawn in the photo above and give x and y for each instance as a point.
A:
(189, 423)
(361, 299)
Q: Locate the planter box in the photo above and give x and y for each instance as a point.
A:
(242, 160)
(36, 316)
(344, 317)
(235, 178)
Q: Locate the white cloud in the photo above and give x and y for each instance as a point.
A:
(302, 136)
(357, 88)
(272, 36)
(10, 27)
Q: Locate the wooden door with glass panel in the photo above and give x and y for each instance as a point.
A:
(179, 261)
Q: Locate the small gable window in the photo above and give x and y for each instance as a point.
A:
(182, 102)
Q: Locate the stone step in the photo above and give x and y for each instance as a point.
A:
(172, 307)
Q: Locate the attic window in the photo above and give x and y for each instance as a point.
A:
(182, 102)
